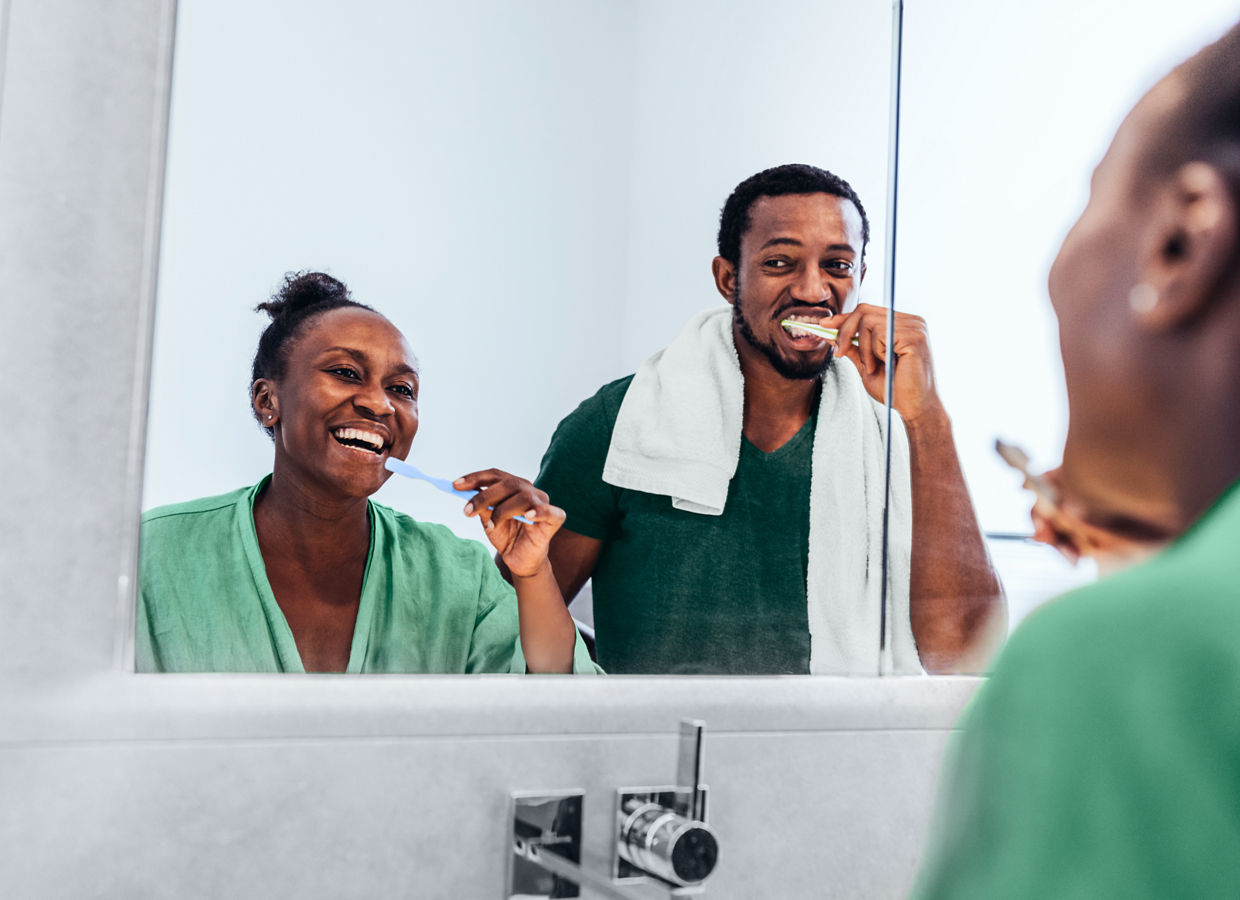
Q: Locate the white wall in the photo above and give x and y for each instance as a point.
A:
(529, 190)
(724, 90)
(462, 166)
(1007, 107)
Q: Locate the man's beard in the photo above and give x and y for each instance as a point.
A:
(799, 368)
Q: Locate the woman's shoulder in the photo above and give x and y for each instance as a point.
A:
(436, 539)
(174, 513)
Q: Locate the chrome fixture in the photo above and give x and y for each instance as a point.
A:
(661, 837)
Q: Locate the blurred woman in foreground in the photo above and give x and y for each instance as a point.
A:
(1102, 758)
(302, 572)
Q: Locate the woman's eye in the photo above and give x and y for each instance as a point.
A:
(344, 372)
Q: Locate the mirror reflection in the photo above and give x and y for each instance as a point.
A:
(530, 195)
(996, 151)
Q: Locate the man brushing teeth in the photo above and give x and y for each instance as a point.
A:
(725, 499)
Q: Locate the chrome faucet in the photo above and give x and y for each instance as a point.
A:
(661, 836)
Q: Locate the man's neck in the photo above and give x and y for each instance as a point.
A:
(776, 407)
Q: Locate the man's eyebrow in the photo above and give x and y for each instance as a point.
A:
(793, 242)
(361, 357)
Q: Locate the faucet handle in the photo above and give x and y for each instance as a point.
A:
(689, 767)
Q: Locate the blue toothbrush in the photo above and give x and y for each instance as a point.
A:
(400, 467)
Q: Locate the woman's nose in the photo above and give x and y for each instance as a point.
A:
(372, 398)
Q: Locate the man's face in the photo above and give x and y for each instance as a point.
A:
(800, 258)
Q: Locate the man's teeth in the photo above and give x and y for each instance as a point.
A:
(792, 329)
(369, 438)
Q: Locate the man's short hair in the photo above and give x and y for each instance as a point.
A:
(794, 178)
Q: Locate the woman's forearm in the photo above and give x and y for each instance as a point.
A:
(548, 635)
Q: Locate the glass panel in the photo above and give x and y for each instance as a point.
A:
(530, 191)
(1006, 108)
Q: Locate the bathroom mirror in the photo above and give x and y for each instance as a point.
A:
(529, 190)
(542, 179)
(1005, 110)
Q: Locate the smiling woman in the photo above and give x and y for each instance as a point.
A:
(302, 572)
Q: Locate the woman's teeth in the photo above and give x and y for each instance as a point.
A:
(358, 437)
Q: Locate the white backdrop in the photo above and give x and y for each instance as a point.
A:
(1006, 109)
(530, 190)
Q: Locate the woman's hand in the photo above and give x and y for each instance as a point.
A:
(1056, 521)
(522, 546)
(548, 634)
(913, 391)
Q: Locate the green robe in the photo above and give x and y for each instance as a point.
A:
(1102, 758)
(431, 602)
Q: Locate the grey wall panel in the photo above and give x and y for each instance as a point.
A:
(807, 815)
(81, 164)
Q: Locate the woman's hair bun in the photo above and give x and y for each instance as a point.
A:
(302, 291)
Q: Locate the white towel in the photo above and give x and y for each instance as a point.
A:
(678, 433)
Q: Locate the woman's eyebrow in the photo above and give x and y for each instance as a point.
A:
(363, 359)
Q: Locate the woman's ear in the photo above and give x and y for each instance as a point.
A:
(263, 399)
(725, 277)
(1191, 248)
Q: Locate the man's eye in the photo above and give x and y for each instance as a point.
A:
(403, 389)
(839, 265)
(776, 263)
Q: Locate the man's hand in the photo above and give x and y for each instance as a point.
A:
(522, 546)
(913, 381)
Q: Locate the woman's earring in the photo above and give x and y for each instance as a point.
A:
(1142, 298)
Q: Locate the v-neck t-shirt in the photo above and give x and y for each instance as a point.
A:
(431, 602)
(680, 592)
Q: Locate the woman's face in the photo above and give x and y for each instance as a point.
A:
(347, 401)
(1106, 357)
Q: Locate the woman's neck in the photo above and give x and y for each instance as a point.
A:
(303, 525)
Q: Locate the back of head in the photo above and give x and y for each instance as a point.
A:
(793, 178)
(303, 297)
(1203, 125)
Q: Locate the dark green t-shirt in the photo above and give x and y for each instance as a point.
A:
(1102, 758)
(682, 592)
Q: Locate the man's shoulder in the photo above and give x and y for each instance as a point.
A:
(603, 404)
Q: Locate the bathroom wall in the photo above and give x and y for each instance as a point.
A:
(113, 784)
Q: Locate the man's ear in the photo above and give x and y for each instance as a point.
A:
(263, 399)
(1191, 248)
(725, 277)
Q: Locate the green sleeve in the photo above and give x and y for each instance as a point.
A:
(572, 468)
(146, 656)
(496, 642)
(1088, 768)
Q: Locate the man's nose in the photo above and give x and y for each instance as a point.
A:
(810, 285)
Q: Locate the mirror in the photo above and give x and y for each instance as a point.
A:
(530, 191)
(1005, 111)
